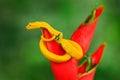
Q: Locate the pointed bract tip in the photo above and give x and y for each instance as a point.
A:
(104, 43)
(101, 7)
(99, 11)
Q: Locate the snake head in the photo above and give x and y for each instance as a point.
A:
(43, 25)
(29, 26)
(32, 25)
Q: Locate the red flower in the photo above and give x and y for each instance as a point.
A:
(83, 35)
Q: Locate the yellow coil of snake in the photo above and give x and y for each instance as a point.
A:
(72, 48)
(45, 39)
(51, 56)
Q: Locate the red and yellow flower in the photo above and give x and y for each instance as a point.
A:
(64, 55)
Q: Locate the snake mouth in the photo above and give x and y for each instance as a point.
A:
(28, 28)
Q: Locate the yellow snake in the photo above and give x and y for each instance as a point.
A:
(72, 48)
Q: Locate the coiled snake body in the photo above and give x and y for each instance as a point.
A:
(72, 48)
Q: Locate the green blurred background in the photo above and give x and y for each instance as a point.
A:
(20, 57)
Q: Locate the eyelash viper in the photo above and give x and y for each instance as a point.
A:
(72, 48)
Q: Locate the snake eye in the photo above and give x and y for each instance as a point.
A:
(57, 38)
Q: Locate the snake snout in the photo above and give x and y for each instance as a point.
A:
(29, 26)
